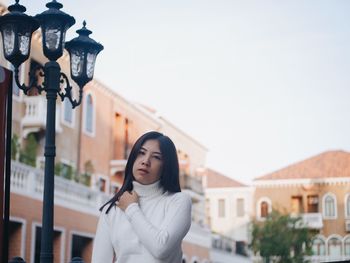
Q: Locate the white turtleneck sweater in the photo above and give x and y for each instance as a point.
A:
(150, 231)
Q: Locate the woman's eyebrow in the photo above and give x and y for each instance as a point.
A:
(143, 148)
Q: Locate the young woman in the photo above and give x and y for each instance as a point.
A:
(147, 219)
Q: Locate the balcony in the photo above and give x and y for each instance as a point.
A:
(311, 220)
(34, 118)
(193, 186)
(28, 181)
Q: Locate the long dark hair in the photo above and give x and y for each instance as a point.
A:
(169, 179)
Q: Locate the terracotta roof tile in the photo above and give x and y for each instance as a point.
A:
(325, 165)
(217, 180)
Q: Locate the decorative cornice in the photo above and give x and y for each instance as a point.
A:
(301, 182)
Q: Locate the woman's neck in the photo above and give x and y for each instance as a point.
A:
(146, 190)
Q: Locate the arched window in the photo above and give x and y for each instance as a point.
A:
(347, 246)
(329, 206)
(334, 247)
(67, 112)
(89, 114)
(263, 208)
(347, 205)
(318, 247)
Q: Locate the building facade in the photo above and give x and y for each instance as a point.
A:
(318, 190)
(93, 142)
(229, 210)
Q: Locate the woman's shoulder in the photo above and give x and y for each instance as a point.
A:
(181, 197)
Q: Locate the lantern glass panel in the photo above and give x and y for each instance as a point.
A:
(64, 38)
(77, 62)
(53, 36)
(90, 64)
(24, 40)
(9, 39)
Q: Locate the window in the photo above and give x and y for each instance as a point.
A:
(240, 207)
(347, 246)
(312, 204)
(57, 243)
(81, 246)
(347, 205)
(89, 115)
(264, 209)
(221, 207)
(102, 184)
(297, 205)
(67, 112)
(318, 247)
(16, 238)
(329, 206)
(334, 247)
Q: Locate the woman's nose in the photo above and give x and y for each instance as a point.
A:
(146, 160)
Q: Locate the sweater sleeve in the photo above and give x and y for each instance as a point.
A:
(102, 248)
(161, 240)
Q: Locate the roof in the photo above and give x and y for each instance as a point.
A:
(215, 179)
(329, 164)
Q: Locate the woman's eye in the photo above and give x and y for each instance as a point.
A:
(157, 157)
(141, 152)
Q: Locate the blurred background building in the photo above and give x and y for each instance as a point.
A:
(318, 190)
(93, 143)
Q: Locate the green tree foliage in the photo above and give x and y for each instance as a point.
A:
(85, 177)
(64, 170)
(58, 169)
(28, 155)
(281, 238)
(15, 147)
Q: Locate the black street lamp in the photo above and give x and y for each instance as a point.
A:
(16, 29)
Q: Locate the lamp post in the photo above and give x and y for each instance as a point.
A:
(16, 29)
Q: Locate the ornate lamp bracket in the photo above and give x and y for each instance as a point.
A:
(68, 92)
(33, 79)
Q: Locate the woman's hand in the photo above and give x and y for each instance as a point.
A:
(126, 199)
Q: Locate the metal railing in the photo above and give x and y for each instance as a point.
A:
(29, 181)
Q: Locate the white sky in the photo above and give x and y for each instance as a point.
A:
(262, 84)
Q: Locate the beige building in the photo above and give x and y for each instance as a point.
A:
(229, 210)
(318, 190)
(92, 144)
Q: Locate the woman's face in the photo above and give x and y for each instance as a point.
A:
(148, 164)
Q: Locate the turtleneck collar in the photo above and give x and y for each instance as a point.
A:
(148, 190)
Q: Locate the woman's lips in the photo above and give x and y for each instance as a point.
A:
(143, 171)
